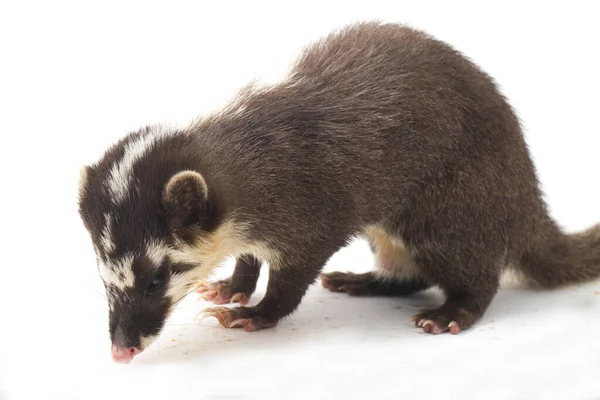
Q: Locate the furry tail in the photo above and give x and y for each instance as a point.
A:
(560, 259)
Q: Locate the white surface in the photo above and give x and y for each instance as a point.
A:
(74, 78)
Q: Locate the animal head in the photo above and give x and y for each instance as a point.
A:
(156, 231)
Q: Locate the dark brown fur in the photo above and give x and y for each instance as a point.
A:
(380, 125)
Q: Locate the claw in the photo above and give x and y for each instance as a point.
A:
(238, 322)
(202, 316)
(428, 325)
(240, 317)
(217, 310)
(218, 313)
(242, 298)
(208, 314)
(431, 327)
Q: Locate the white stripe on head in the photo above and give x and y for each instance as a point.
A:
(156, 252)
(106, 239)
(118, 273)
(121, 174)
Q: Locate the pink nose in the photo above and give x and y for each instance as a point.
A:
(123, 356)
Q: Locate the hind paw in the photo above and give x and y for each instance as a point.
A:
(436, 327)
(444, 319)
(347, 282)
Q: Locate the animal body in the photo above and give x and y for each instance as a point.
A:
(378, 130)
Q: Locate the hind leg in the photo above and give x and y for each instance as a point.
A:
(396, 274)
(469, 291)
(459, 312)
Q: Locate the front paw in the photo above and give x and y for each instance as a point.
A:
(240, 317)
(221, 292)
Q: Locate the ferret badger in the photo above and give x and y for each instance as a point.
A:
(378, 130)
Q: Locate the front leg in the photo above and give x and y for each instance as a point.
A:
(287, 285)
(239, 287)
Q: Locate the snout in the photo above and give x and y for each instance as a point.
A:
(123, 356)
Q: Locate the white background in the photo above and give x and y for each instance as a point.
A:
(74, 77)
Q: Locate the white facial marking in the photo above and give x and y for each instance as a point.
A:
(118, 273)
(121, 174)
(156, 252)
(146, 341)
(182, 284)
(106, 239)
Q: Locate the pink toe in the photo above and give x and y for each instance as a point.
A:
(454, 328)
(209, 295)
(250, 326)
(220, 298)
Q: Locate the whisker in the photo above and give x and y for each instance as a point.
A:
(194, 289)
(204, 283)
(221, 314)
(99, 293)
(158, 345)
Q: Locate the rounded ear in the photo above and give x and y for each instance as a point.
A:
(185, 196)
(83, 177)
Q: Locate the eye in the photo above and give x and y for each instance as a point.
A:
(156, 282)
